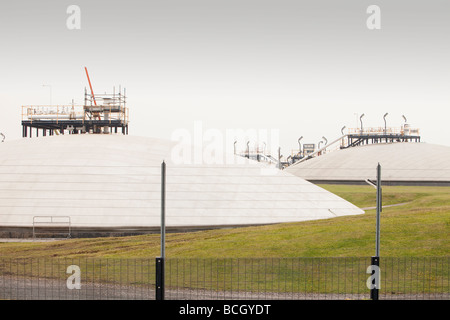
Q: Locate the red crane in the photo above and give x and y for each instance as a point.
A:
(92, 91)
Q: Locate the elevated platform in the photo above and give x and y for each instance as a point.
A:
(357, 137)
(354, 140)
(103, 114)
(75, 126)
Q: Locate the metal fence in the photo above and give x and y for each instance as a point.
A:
(222, 279)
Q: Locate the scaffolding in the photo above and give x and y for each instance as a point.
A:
(372, 135)
(100, 114)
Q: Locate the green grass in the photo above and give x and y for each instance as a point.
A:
(265, 257)
(419, 228)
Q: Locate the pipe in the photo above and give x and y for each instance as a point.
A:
(360, 119)
(279, 158)
(384, 118)
(319, 150)
(248, 150)
(54, 116)
(300, 146)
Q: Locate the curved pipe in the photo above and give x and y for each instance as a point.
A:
(384, 118)
(248, 149)
(360, 119)
(300, 145)
(287, 159)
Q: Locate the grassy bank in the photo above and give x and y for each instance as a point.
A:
(418, 228)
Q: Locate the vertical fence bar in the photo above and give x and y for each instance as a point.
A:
(160, 261)
(377, 248)
(163, 210)
(159, 278)
(272, 278)
(375, 261)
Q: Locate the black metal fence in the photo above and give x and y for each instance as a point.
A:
(223, 279)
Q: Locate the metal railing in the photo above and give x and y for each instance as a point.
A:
(404, 130)
(223, 279)
(51, 226)
(59, 113)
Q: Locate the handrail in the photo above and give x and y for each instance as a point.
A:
(69, 112)
(52, 223)
(319, 150)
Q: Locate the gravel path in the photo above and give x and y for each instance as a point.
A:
(15, 288)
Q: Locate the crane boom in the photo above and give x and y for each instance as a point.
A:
(90, 85)
(92, 91)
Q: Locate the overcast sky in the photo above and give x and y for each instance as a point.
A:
(305, 68)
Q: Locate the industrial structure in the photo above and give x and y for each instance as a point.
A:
(406, 163)
(353, 138)
(101, 114)
(80, 176)
(110, 185)
(352, 157)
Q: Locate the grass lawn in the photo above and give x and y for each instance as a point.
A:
(419, 228)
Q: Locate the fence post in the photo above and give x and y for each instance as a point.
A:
(375, 261)
(159, 278)
(379, 208)
(163, 210)
(160, 260)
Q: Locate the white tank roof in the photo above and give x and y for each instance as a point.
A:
(114, 181)
(408, 161)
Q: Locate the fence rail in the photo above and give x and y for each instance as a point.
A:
(223, 279)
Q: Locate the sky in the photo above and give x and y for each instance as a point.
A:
(301, 68)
